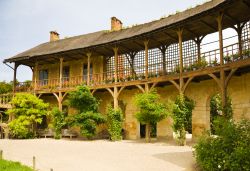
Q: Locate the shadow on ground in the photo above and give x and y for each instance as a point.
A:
(181, 159)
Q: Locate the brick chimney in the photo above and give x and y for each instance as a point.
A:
(54, 36)
(116, 24)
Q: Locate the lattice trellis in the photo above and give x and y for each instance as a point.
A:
(110, 70)
(190, 53)
(139, 63)
(124, 66)
(246, 36)
(172, 58)
(155, 62)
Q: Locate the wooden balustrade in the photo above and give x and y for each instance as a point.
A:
(208, 59)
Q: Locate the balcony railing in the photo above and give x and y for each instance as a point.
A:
(209, 59)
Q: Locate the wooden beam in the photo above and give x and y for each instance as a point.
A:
(212, 27)
(246, 3)
(194, 34)
(138, 44)
(170, 36)
(235, 21)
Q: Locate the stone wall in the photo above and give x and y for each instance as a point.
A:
(200, 92)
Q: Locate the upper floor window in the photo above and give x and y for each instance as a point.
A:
(66, 72)
(43, 77)
(85, 72)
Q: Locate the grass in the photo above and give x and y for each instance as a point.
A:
(6, 165)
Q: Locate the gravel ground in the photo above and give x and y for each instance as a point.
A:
(99, 155)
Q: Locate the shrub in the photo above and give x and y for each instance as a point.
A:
(88, 116)
(182, 117)
(216, 110)
(58, 122)
(28, 110)
(6, 165)
(230, 150)
(114, 122)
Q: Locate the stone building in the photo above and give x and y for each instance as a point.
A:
(166, 54)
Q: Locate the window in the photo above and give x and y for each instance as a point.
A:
(85, 72)
(43, 77)
(65, 75)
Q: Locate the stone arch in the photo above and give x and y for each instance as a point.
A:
(201, 93)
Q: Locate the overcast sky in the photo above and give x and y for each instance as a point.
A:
(26, 23)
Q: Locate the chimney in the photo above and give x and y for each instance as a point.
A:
(116, 24)
(54, 36)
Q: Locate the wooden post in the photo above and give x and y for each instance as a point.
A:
(35, 75)
(61, 73)
(14, 78)
(219, 20)
(222, 73)
(239, 32)
(146, 88)
(34, 163)
(116, 63)
(163, 52)
(60, 97)
(198, 43)
(1, 154)
(146, 57)
(116, 105)
(179, 33)
(88, 78)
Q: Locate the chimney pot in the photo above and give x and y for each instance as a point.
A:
(116, 24)
(54, 36)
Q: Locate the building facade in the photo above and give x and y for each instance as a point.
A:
(169, 55)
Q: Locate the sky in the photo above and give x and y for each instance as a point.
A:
(27, 23)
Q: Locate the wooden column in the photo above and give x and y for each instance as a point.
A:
(61, 73)
(116, 63)
(88, 78)
(116, 105)
(239, 32)
(60, 97)
(35, 75)
(146, 57)
(198, 41)
(222, 73)
(179, 33)
(14, 78)
(163, 52)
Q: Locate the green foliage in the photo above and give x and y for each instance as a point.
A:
(27, 110)
(5, 87)
(83, 100)
(228, 151)
(87, 105)
(151, 110)
(216, 110)
(182, 116)
(114, 122)
(58, 121)
(6, 165)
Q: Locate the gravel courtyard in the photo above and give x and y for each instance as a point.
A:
(98, 155)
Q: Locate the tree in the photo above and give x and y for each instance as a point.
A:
(114, 122)
(151, 110)
(27, 111)
(87, 105)
(5, 87)
(58, 121)
(181, 114)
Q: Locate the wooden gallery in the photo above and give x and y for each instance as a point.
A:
(189, 52)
